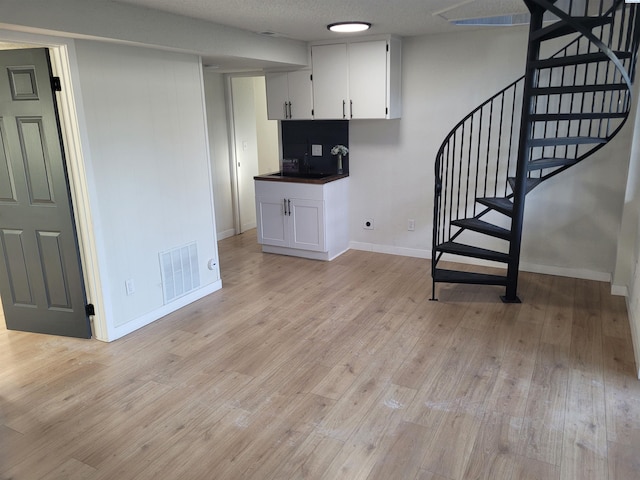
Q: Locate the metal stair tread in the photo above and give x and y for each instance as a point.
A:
(577, 59)
(554, 141)
(542, 163)
(499, 204)
(561, 28)
(471, 251)
(481, 226)
(556, 117)
(457, 276)
(556, 90)
(531, 183)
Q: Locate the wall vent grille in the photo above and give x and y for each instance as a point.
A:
(179, 270)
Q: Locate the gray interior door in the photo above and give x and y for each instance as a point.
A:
(40, 274)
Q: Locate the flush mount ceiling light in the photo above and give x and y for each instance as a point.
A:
(349, 27)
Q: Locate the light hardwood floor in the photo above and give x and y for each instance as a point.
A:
(300, 369)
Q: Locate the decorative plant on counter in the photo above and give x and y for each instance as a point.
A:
(339, 150)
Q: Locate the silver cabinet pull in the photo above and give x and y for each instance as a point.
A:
(344, 115)
(285, 205)
(289, 204)
(351, 107)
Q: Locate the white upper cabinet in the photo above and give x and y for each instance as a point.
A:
(289, 95)
(357, 80)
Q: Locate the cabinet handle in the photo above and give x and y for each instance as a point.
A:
(289, 205)
(284, 107)
(351, 107)
(344, 115)
(290, 116)
(285, 205)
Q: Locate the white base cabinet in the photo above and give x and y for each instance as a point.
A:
(304, 220)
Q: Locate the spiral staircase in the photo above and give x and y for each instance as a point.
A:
(568, 105)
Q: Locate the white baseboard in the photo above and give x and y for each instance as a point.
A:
(122, 330)
(248, 226)
(580, 273)
(619, 290)
(226, 234)
(634, 324)
(392, 250)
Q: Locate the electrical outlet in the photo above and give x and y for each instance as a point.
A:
(411, 225)
(316, 150)
(367, 224)
(130, 286)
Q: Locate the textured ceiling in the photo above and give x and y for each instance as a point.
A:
(307, 19)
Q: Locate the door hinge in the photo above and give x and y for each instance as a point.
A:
(90, 309)
(56, 85)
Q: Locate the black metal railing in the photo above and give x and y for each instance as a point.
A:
(475, 160)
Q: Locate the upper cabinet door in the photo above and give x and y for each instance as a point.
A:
(277, 95)
(368, 79)
(330, 81)
(289, 95)
(300, 95)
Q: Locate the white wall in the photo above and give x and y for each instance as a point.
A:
(148, 159)
(217, 122)
(571, 222)
(633, 287)
(627, 273)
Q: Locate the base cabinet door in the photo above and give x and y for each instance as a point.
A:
(271, 221)
(291, 222)
(306, 225)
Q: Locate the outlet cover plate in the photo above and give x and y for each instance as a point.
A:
(316, 150)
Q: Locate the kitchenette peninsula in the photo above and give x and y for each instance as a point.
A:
(303, 215)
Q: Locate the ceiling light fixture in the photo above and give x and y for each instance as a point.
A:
(349, 27)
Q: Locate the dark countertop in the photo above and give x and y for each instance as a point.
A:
(300, 178)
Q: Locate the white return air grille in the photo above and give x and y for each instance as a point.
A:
(179, 269)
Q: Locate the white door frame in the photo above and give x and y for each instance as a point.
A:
(233, 162)
(73, 129)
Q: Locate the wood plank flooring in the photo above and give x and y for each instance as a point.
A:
(300, 369)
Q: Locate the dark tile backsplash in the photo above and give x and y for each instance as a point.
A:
(298, 136)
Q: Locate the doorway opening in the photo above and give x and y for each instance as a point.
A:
(254, 145)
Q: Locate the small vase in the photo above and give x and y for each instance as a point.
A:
(339, 164)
